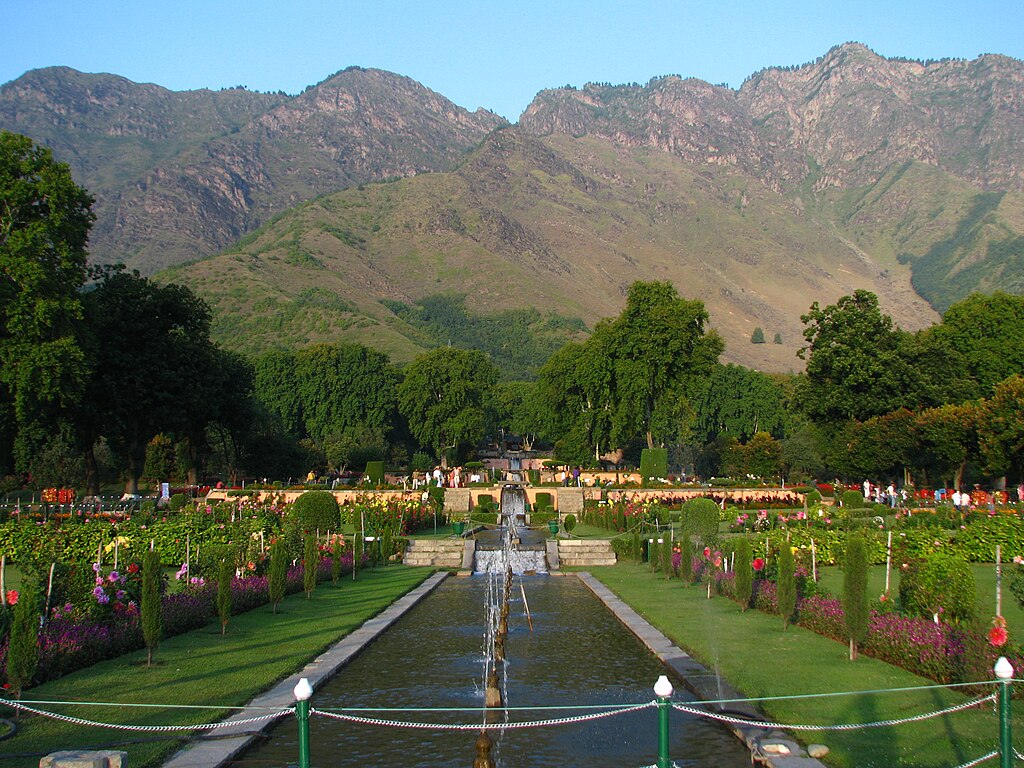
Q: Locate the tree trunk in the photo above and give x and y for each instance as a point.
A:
(853, 650)
(959, 477)
(92, 476)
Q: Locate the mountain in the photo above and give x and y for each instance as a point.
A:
(559, 223)
(806, 183)
(181, 175)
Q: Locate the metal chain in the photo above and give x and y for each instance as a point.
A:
(979, 760)
(477, 726)
(842, 727)
(149, 728)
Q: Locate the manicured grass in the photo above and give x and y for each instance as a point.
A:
(203, 668)
(754, 653)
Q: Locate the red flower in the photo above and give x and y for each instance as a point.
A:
(998, 636)
(758, 564)
(12, 597)
(707, 552)
(133, 567)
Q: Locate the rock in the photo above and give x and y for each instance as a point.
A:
(81, 758)
(817, 750)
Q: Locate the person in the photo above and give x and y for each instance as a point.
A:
(956, 498)
(576, 476)
(564, 477)
(890, 491)
(867, 489)
(438, 477)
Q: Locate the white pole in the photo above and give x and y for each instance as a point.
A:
(888, 561)
(814, 561)
(999, 581)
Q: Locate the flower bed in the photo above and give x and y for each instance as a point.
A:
(71, 641)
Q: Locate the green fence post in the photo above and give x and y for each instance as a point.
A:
(663, 690)
(1004, 672)
(302, 693)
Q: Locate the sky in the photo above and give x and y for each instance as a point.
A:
(482, 54)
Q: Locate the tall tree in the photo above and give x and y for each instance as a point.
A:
(45, 220)
(1001, 428)
(660, 352)
(575, 398)
(976, 345)
(740, 402)
(445, 397)
(858, 364)
(152, 365)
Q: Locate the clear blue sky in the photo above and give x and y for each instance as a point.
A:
(481, 54)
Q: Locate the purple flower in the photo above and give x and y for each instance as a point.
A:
(102, 599)
(98, 592)
(113, 576)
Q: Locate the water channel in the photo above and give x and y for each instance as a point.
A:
(577, 653)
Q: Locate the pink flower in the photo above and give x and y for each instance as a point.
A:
(758, 564)
(998, 636)
(12, 597)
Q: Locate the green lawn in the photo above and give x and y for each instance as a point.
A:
(204, 668)
(756, 655)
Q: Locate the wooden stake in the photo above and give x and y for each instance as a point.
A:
(999, 580)
(3, 580)
(888, 561)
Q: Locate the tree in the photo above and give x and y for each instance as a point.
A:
(574, 397)
(858, 364)
(743, 588)
(149, 603)
(786, 586)
(660, 351)
(22, 644)
(855, 592)
(344, 389)
(278, 573)
(740, 402)
(944, 439)
(977, 344)
(44, 226)
(445, 398)
(777, 339)
(153, 369)
(1001, 428)
(757, 337)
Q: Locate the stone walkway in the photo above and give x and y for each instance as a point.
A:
(226, 743)
(706, 685)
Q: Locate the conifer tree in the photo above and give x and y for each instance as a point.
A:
(744, 584)
(757, 337)
(786, 586)
(22, 648)
(685, 556)
(225, 575)
(278, 575)
(149, 605)
(855, 592)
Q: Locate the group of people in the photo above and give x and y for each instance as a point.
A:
(888, 495)
(454, 477)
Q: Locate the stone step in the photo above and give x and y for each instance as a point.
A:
(587, 562)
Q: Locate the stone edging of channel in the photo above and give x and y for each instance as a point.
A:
(704, 683)
(229, 742)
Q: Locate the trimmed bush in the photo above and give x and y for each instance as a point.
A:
(938, 584)
(853, 500)
(654, 462)
(814, 497)
(569, 523)
(786, 588)
(375, 471)
(317, 511)
(700, 516)
(744, 585)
